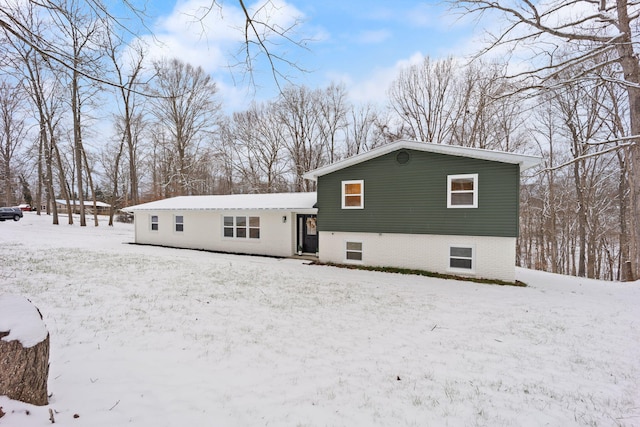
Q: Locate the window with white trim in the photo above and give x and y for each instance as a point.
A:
(241, 227)
(462, 258)
(462, 191)
(353, 251)
(353, 194)
(179, 223)
(254, 227)
(154, 222)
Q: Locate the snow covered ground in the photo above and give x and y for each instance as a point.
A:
(150, 336)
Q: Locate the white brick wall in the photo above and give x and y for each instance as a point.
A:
(495, 257)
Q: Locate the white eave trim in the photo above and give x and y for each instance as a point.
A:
(298, 210)
(277, 202)
(525, 161)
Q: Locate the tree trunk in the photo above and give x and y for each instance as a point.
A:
(63, 183)
(625, 270)
(578, 177)
(630, 64)
(24, 371)
(77, 138)
(92, 188)
(633, 263)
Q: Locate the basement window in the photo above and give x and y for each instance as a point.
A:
(354, 251)
(462, 259)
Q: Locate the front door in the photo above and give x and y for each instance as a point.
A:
(307, 234)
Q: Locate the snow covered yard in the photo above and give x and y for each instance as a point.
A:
(150, 336)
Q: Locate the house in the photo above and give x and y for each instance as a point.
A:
(441, 208)
(262, 224)
(101, 207)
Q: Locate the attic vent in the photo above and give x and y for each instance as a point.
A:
(402, 157)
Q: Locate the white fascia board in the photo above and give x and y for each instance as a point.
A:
(525, 161)
(237, 202)
(296, 210)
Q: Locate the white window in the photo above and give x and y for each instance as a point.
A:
(353, 194)
(353, 251)
(154, 222)
(241, 227)
(462, 191)
(462, 258)
(254, 227)
(179, 223)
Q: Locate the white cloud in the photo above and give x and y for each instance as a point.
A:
(421, 15)
(471, 38)
(373, 88)
(209, 37)
(373, 37)
(424, 15)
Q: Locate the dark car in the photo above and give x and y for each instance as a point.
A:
(10, 213)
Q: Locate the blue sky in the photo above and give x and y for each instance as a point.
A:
(359, 43)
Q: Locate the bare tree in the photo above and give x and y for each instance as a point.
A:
(226, 156)
(485, 118)
(362, 133)
(617, 116)
(473, 120)
(270, 146)
(41, 81)
(333, 105)
(185, 107)
(447, 102)
(422, 97)
(80, 35)
(602, 29)
(573, 212)
(298, 111)
(544, 130)
(127, 75)
(259, 146)
(13, 132)
(580, 113)
(263, 35)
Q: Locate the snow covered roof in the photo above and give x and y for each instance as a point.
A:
(86, 203)
(272, 201)
(525, 161)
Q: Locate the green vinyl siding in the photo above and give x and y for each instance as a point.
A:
(412, 197)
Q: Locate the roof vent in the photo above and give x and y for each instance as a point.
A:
(402, 157)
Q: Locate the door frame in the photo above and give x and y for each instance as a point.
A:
(301, 233)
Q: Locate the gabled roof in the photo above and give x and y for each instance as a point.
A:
(525, 161)
(269, 201)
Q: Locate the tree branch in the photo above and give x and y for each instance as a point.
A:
(586, 156)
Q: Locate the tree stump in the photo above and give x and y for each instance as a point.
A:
(24, 351)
